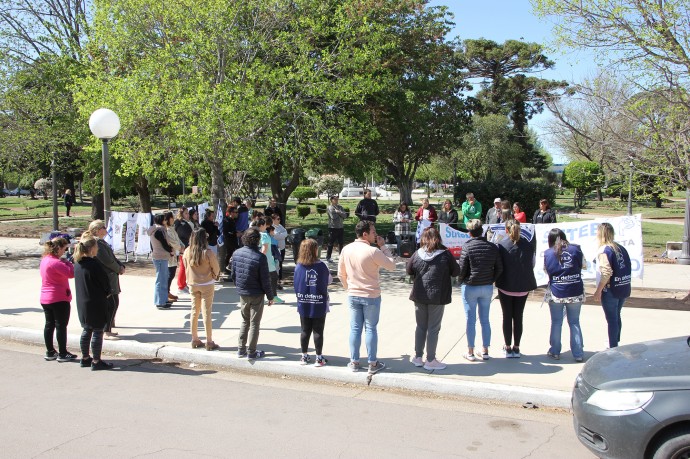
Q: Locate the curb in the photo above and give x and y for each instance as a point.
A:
(407, 382)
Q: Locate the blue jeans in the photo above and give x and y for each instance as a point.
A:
(572, 311)
(473, 296)
(612, 310)
(160, 294)
(364, 312)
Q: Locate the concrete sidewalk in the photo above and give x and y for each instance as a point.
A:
(535, 378)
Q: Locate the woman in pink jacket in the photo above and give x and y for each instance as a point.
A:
(56, 297)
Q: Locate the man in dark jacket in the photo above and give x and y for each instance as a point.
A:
(480, 266)
(251, 278)
(367, 209)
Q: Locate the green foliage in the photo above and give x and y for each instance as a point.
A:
(302, 193)
(303, 211)
(527, 193)
(582, 177)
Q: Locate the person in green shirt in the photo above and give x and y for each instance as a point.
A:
(471, 209)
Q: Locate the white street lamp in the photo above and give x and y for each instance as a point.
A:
(105, 124)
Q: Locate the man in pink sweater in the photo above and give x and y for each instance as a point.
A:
(358, 270)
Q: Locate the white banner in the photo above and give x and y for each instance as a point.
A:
(498, 231)
(452, 238)
(628, 233)
(131, 233)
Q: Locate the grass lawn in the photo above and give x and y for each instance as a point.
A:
(614, 206)
(12, 207)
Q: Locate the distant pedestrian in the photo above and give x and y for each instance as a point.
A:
(178, 249)
(93, 299)
(211, 226)
(358, 270)
(203, 270)
(471, 210)
(69, 201)
(55, 297)
(564, 262)
(183, 227)
(250, 275)
(280, 235)
(367, 209)
(162, 251)
(273, 209)
(336, 219)
(401, 219)
(480, 266)
(514, 285)
(311, 281)
(433, 268)
(614, 275)
(544, 214)
(229, 235)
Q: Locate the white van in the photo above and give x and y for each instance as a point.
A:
(352, 192)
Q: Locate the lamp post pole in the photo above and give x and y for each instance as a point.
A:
(630, 183)
(106, 181)
(455, 177)
(684, 258)
(55, 199)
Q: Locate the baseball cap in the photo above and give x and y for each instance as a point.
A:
(497, 200)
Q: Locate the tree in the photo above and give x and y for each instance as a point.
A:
(583, 177)
(508, 88)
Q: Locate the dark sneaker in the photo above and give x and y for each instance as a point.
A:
(164, 306)
(85, 363)
(354, 366)
(376, 367)
(101, 365)
(241, 354)
(51, 355)
(305, 360)
(256, 355)
(321, 361)
(66, 358)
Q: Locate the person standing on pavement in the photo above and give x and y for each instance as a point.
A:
(162, 251)
(203, 270)
(273, 209)
(242, 222)
(229, 235)
(367, 209)
(493, 216)
(183, 228)
(471, 209)
(250, 275)
(55, 297)
(564, 262)
(358, 270)
(433, 268)
(480, 266)
(614, 274)
(311, 281)
(402, 218)
(113, 267)
(93, 299)
(211, 226)
(514, 285)
(178, 247)
(544, 214)
(279, 235)
(336, 232)
(265, 248)
(69, 201)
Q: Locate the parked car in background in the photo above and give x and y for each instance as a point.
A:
(633, 401)
(352, 192)
(19, 192)
(4, 192)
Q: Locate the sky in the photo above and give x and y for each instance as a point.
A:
(501, 20)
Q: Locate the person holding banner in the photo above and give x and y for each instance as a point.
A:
(514, 285)
(563, 262)
(613, 280)
(433, 268)
(480, 266)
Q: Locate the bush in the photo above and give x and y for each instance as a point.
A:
(303, 211)
(44, 186)
(527, 193)
(329, 184)
(302, 193)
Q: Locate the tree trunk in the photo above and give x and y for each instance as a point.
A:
(217, 182)
(600, 196)
(405, 187)
(275, 180)
(97, 209)
(141, 185)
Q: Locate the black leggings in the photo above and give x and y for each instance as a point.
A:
(316, 325)
(513, 307)
(95, 336)
(171, 275)
(57, 318)
(113, 303)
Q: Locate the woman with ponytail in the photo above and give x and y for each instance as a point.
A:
(514, 285)
(563, 262)
(55, 297)
(93, 300)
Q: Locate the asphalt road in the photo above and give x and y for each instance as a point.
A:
(154, 409)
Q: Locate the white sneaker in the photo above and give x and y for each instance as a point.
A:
(435, 365)
(508, 352)
(184, 290)
(417, 361)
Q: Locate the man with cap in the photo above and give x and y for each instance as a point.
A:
(493, 216)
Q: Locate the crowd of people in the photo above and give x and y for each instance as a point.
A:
(255, 247)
